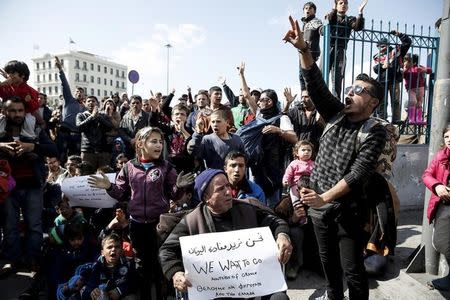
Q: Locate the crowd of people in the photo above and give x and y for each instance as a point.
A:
(296, 169)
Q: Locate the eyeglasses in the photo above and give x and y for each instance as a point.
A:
(264, 99)
(358, 89)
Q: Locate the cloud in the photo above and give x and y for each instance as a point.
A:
(148, 55)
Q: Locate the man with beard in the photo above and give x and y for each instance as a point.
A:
(27, 196)
(69, 138)
(93, 124)
(308, 125)
(54, 169)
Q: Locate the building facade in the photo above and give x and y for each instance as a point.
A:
(96, 75)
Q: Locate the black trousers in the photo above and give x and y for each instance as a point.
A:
(341, 247)
(144, 242)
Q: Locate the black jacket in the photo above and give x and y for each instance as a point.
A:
(93, 129)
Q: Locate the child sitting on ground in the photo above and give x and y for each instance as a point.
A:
(66, 214)
(300, 166)
(112, 275)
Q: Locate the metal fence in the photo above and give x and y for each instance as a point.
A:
(361, 50)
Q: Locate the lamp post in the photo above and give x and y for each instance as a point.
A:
(168, 46)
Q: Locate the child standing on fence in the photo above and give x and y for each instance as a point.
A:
(414, 76)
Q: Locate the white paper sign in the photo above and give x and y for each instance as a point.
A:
(80, 193)
(237, 264)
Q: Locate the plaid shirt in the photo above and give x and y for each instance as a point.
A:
(337, 157)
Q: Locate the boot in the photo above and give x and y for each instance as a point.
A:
(419, 119)
(412, 115)
(441, 284)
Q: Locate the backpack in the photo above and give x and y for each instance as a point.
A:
(389, 153)
(251, 137)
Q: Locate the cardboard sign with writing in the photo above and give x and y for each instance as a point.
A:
(236, 264)
(80, 193)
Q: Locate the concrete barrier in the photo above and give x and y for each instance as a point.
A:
(407, 178)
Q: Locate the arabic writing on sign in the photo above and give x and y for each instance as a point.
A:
(236, 264)
(220, 246)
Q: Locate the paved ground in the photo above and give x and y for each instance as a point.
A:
(395, 284)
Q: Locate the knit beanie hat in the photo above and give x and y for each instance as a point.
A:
(202, 181)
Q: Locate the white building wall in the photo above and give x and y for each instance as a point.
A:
(82, 69)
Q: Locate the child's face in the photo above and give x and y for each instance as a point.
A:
(111, 251)
(406, 64)
(121, 162)
(76, 242)
(152, 147)
(342, 6)
(308, 11)
(218, 124)
(15, 78)
(304, 152)
(447, 139)
(65, 210)
(179, 116)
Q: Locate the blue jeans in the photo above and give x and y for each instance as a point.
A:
(30, 201)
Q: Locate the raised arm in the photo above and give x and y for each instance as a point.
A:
(67, 94)
(326, 104)
(246, 91)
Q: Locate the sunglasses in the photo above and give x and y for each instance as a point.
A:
(357, 90)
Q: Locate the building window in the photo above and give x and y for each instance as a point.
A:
(43, 77)
(92, 79)
(49, 90)
(111, 82)
(84, 65)
(37, 66)
(84, 78)
(117, 84)
(98, 68)
(105, 69)
(99, 80)
(62, 62)
(117, 73)
(56, 76)
(111, 71)
(105, 81)
(77, 64)
(123, 74)
(49, 64)
(56, 90)
(98, 92)
(49, 77)
(38, 78)
(39, 89)
(123, 84)
(77, 77)
(44, 90)
(92, 92)
(43, 66)
(92, 67)
(105, 93)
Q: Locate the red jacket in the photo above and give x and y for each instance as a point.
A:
(436, 173)
(22, 90)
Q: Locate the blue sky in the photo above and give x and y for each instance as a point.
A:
(209, 38)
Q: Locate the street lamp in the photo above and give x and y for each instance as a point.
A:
(168, 46)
